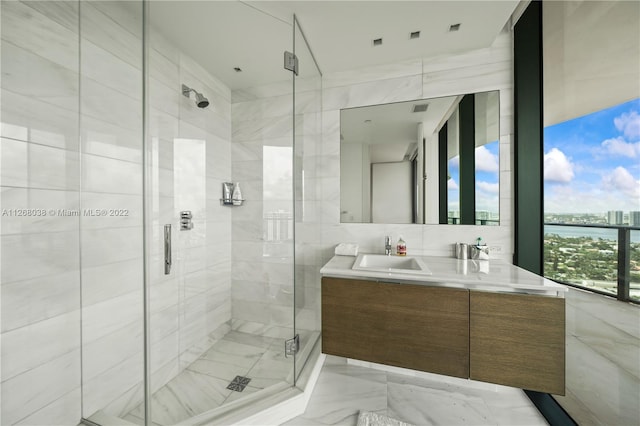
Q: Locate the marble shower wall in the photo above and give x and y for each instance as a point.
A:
(262, 291)
(475, 71)
(262, 247)
(72, 140)
(191, 146)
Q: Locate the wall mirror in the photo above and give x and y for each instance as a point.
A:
(425, 161)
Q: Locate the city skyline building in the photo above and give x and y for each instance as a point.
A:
(615, 217)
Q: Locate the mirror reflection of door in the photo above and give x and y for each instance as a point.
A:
(392, 192)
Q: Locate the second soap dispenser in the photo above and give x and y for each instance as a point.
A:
(401, 248)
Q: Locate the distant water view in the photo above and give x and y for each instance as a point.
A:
(595, 233)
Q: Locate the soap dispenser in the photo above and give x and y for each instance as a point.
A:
(401, 248)
(236, 196)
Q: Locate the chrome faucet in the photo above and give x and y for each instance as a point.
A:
(387, 245)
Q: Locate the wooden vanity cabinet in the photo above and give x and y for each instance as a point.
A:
(518, 340)
(505, 338)
(404, 325)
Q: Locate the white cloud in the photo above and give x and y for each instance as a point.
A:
(487, 202)
(451, 184)
(621, 180)
(455, 161)
(629, 124)
(493, 188)
(485, 160)
(557, 168)
(592, 198)
(618, 146)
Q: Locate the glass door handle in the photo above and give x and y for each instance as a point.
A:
(167, 249)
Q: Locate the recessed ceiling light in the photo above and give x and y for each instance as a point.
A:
(420, 107)
(414, 34)
(377, 41)
(454, 27)
(237, 69)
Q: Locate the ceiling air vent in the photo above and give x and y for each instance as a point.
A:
(377, 42)
(454, 27)
(414, 34)
(420, 107)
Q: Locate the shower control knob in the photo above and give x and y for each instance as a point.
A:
(185, 220)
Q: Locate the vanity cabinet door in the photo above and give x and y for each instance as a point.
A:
(518, 340)
(411, 326)
(353, 319)
(428, 329)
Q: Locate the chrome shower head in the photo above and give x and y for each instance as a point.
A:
(201, 101)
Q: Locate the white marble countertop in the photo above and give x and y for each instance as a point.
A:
(484, 275)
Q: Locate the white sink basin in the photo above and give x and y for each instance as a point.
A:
(391, 264)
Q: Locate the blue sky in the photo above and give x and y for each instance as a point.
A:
(592, 163)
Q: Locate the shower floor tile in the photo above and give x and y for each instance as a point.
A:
(184, 396)
(202, 386)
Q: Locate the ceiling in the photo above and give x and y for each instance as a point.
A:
(252, 35)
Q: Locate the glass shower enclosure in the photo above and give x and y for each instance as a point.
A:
(136, 294)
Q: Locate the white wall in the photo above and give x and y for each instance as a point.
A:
(475, 71)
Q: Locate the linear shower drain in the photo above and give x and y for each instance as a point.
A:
(239, 383)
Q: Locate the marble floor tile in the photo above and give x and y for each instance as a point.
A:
(202, 385)
(233, 353)
(234, 396)
(269, 371)
(221, 370)
(185, 396)
(432, 406)
(341, 392)
(251, 339)
(133, 419)
(344, 390)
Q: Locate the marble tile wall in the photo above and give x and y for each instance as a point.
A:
(72, 139)
(603, 360)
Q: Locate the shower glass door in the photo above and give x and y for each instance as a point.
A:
(309, 208)
(220, 276)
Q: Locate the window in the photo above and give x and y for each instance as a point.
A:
(592, 146)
